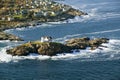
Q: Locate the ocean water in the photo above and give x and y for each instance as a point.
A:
(103, 20)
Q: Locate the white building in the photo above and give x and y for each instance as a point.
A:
(46, 39)
(10, 19)
(33, 7)
(3, 18)
(27, 5)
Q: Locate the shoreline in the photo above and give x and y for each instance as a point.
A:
(21, 25)
(5, 25)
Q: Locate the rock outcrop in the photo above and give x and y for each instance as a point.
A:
(5, 36)
(53, 48)
(44, 48)
(83, 43)
(78, 43)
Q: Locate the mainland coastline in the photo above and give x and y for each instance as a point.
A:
(14, 14)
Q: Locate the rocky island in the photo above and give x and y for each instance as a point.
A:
(53, 48)
(23, 13)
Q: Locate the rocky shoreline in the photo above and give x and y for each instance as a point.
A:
(35, 12)
(28, 16)
(6, 36)
(53, 48)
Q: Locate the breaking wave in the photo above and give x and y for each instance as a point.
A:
(94, 16)
(42, 25)
(93, 10)
(109, 52)
(62, 39)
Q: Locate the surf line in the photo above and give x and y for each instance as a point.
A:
(75, 35)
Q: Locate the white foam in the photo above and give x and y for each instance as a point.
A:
(34, 57)
(4, 57)
(43, 25)
(110, 52)
(93, 10)
(94, 16)
(91, 15)
(4, 41)
(63, 39)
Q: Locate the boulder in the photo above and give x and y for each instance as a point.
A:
(97, 42)
(78, 43)
(20, 51)
(75, 12)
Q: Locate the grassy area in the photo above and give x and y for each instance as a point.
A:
(38, 43)
(18, 16)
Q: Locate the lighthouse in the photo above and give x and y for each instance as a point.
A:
(46, 39)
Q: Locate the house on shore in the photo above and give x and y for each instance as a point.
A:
(3, 18)
(46, 39)
(8, 18)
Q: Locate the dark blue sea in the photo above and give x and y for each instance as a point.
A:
(103, 20)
